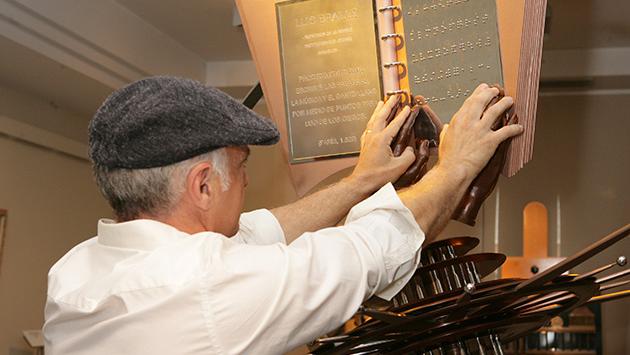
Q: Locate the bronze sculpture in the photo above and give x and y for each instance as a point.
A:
(422, 130)
(446, 309)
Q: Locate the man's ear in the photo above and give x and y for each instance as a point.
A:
(199, 185)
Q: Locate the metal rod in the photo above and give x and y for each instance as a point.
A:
(616, 284)
(384, 316)
(475, 272)
(613, 276)
(451, 251)
(609, 297)
(558, 269)
(482, 349)
(458, 283)
(496, 344)
(463, 299)
(621, 261)
(596, 271)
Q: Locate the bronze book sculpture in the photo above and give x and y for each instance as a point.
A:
(422, 130)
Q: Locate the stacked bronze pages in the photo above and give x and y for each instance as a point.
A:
(447, 309)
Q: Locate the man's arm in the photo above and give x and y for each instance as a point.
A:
(317, 282)
(466, 145)
(376, 167)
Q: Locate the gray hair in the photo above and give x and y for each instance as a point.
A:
(131, 192)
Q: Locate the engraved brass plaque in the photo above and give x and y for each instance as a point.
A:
(452, 46)
(330, 74)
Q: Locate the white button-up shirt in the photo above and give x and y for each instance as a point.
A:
(144, 287)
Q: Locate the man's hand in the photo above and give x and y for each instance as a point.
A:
(482, 186)
(465, 147)
(376, 167)
(468, 142)
(377, 164)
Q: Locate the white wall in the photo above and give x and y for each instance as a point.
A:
(52, 205)
(582, 157)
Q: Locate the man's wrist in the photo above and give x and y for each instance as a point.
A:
(362, 186)
(458, 173)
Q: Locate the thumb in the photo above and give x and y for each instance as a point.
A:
(443, 133)
(406, 158)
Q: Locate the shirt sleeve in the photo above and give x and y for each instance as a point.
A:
(279, 296)
(400, 240)
(259, 227)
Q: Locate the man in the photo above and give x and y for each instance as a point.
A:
(177, 274)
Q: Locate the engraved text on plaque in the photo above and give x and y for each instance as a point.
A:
(330, 72)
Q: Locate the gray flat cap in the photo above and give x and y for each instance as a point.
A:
(162, 120)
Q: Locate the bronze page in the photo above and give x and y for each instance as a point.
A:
(451, 46)
(330, 74)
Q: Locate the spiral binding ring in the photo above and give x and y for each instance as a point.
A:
(391, 35)
(393, 64)
(395, 92)
(389, 8)
(406, 95)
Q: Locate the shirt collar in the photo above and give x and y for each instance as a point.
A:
(142, 234)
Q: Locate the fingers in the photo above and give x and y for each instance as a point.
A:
(362, 139)
(484, 87)
(480, 88)
(395, 109)
(392, 101)
(409, 168)
(506, 132)
(501, 91)
(378, 108)
(416, 169)
(406, 158)
(405, 133)
(421, 160)
(422, 155)
(394, 126)
(433, 117)
(484, 96)
(375, 114)
(423, 148)
(444, 128)
(420, 100)
(478, 101)
(383, 113)
(493, 112)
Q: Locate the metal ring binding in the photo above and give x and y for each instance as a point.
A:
(392, 64)
(389, 8)
(395, 92)
(390, 35)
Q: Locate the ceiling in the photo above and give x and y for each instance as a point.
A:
(24, 70)
(203, 26)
